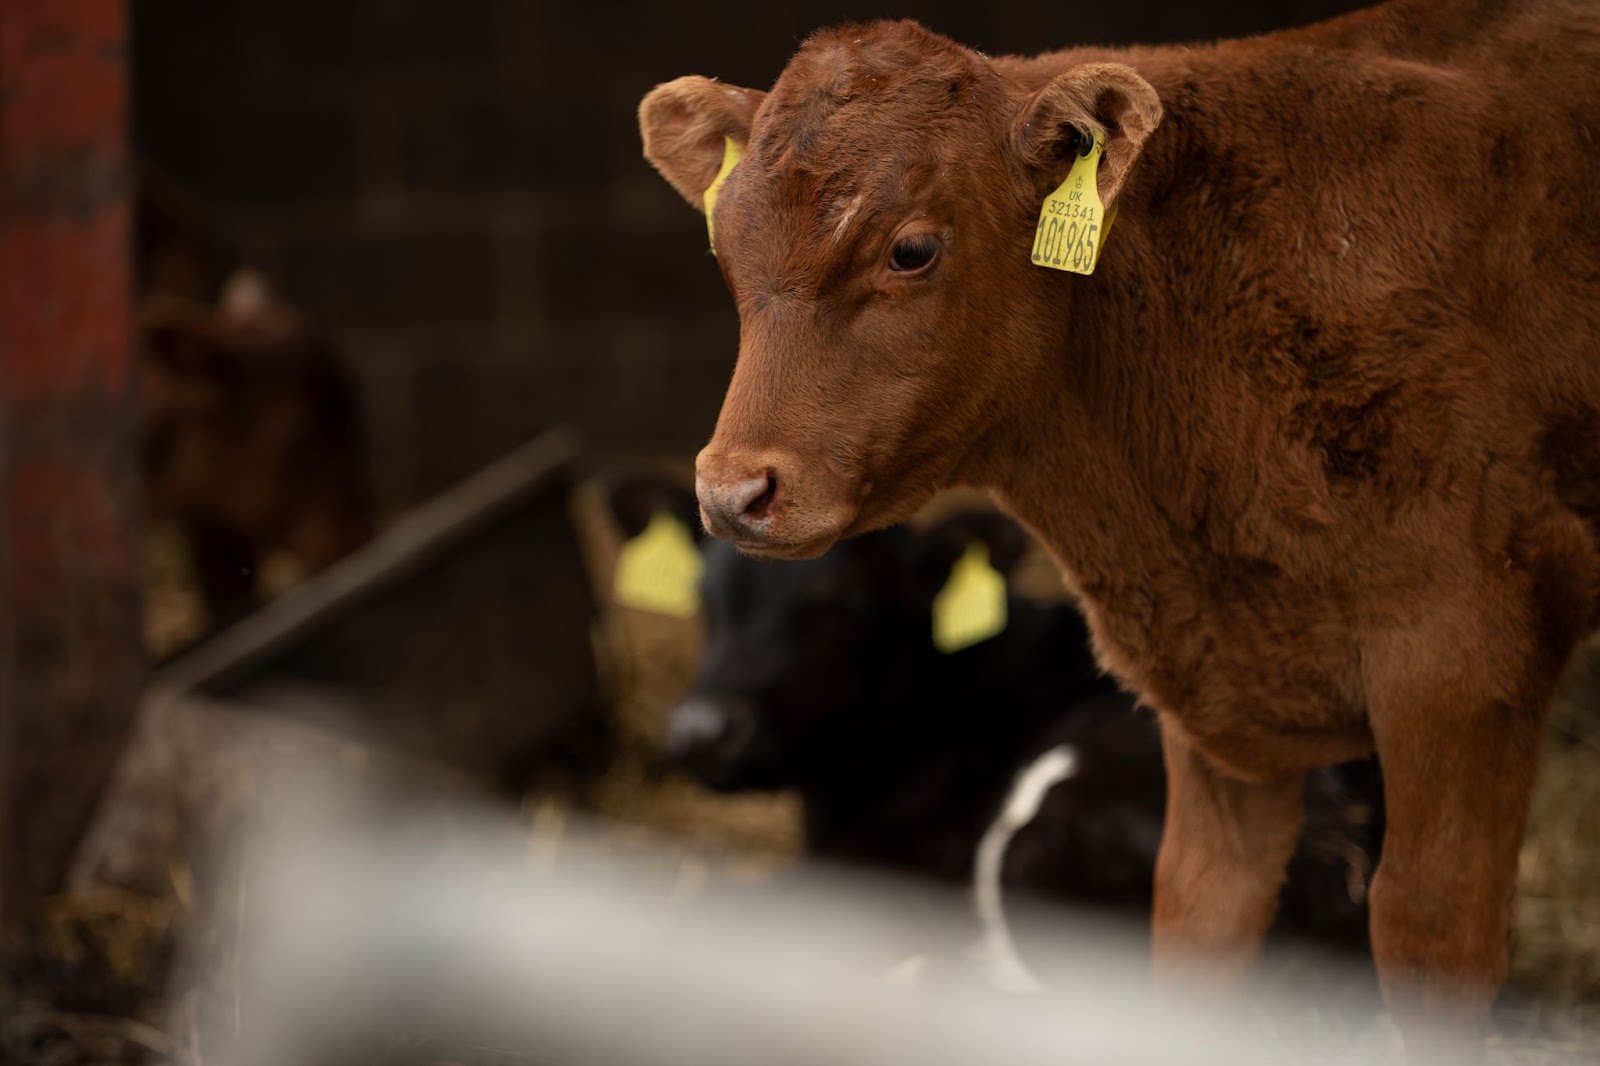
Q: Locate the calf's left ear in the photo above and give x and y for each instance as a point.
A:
(941, 545)
(1059, 122)
(686, 125)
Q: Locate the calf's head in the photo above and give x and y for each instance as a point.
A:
(251, 425)
(875, 234)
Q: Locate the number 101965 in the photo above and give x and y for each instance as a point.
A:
(1067, 236)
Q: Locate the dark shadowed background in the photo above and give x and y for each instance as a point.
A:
(457, 187)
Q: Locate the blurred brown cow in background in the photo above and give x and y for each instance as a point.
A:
(252, 429)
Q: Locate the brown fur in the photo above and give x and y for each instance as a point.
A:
(252, 437)
(1318, 442)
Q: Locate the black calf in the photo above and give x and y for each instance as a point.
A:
(823, 676)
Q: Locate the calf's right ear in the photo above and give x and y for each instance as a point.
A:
(686, 124)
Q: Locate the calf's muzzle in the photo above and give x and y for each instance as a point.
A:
(718, 740)
(736, 501)
(773, 502)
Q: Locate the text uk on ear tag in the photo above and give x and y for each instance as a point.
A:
(659, 570)
(1072, 223)
(972, 605)
(732, 152)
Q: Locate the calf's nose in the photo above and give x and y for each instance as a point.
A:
(736, 502)
(703, 733)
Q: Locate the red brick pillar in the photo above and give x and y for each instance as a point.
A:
(69, 650)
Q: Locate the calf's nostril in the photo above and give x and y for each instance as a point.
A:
(757, 505)
(737, 508)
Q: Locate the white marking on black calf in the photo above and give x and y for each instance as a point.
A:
(996, 953)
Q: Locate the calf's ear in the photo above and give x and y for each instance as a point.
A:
(686, 125)
(1060, 120)
(946, 541)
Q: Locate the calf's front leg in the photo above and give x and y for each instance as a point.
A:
(1460, 750)
(1221, 865)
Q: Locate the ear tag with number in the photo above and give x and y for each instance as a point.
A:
(659, 570)
(732, 152)
(972, 605)
(1072, 222)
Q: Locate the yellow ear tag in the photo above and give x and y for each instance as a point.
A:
(1072, 223)
(732, 152)
(659, 570)
(972, 605)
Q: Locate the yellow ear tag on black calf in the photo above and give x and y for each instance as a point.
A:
(732, 152)
(659, 570)
(1072, 222)
(972, 605)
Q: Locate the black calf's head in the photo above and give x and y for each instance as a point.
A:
(794, 653)
(807, 662)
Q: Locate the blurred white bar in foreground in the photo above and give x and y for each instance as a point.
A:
(455, 936)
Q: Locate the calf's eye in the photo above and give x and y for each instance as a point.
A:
(914, 253)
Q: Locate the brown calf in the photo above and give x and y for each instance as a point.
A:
(252, 437)
(1318, 441)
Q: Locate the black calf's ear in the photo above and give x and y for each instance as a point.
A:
(636, 498)
(949, 539)
(659, 566)
(963, 563)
